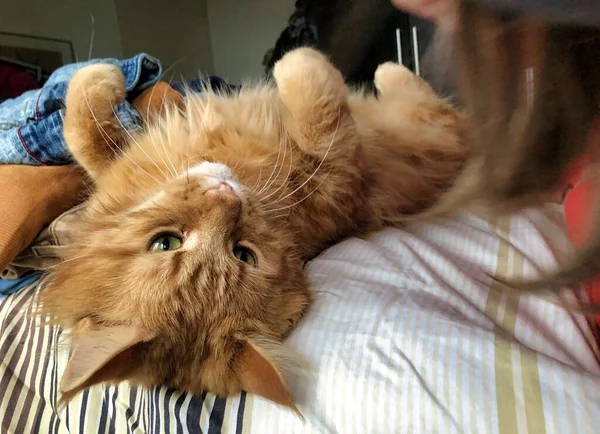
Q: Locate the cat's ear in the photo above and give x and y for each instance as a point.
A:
(258, 375)
(314, 95)
(99, 354)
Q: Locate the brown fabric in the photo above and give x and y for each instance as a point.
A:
(33, 196)
(152, 101)
(46, 250)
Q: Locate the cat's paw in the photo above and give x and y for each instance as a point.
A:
(305, 77)
(392, 78)
(96, 89)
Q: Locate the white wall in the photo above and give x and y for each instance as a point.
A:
(176, 32)
(66, 19)
(241, 31)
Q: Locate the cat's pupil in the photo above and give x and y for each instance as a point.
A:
(165, 243)
(244, 254)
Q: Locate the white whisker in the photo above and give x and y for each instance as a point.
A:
(68, 260)
(173, 174)
(92, 35)
(274, 167)
(170, 168)
(137, 144)
(303, 199)
(276, 177)
(257, 182)
(320, 164)
(284, 181)
(161, 128)
(106, 135)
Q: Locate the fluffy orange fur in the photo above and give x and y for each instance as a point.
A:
(284, 171)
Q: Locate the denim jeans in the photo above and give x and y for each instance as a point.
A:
(31, 125)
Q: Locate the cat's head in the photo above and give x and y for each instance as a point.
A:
(176, 277)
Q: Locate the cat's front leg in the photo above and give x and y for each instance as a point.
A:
(315, 100)
(91, 128)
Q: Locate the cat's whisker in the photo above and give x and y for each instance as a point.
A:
(113, 199)
(187, 172)
(138, 144)
(161, 128)
(103, 206)
(257, 182)
(320, 164)
(304, 198)
(87, 186)
(274, 168)
(99, 126)
(171, 169)
(284, 181)
(285, 147)
(75, 258)
(152, 138)
(283, 137)
(92, 36)
(276, 177)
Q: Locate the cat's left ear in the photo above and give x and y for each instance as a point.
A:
(258, 375)
(100, 353)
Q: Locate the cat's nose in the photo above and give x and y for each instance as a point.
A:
(222, 188)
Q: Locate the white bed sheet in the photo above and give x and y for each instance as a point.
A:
(406, 337)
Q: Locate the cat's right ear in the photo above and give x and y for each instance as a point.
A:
(100, 353)
(258, 375)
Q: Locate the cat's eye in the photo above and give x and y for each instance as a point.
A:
(246, 255)
(165, 243)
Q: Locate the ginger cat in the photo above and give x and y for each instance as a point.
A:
(187, 270)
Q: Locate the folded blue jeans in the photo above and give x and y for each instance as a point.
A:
(31, 125)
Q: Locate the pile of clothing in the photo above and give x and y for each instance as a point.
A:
(39, 182)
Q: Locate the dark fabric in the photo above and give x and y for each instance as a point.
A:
(214, 83)
(300, 32)
(14, 81)
(357, 35)
(583, 12)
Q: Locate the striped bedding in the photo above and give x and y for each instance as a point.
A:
(405, 337)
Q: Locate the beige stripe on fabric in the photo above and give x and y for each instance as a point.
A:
(505, 392)
(532, 390)
(506, 319)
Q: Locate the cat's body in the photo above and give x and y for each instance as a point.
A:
(188, 266)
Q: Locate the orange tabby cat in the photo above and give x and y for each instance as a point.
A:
(187, 269)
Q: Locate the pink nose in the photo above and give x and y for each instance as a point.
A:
(223, 188)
